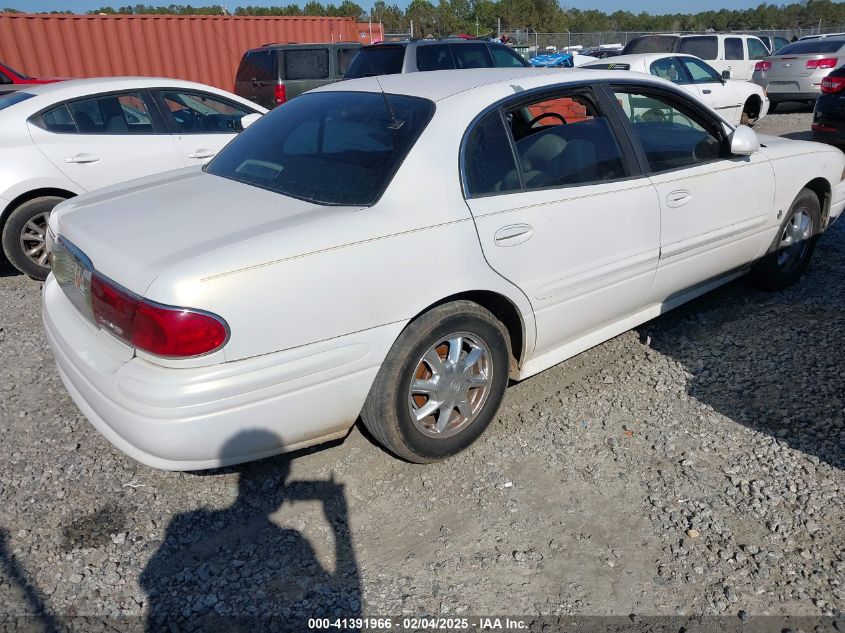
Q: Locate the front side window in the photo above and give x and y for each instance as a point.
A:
(489, 165)
(564, 141)
(504, 57)
(307, 63)
(703, 46)
(201, 113)
(670, 68)
(672, 134)
(330, 148)
(733, 48)
(434, 57)
(257, 66)
(756, 49)
(700, 72)
(471, 56)
(109, 114)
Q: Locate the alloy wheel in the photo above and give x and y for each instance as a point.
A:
(795, 239)
(34, 239)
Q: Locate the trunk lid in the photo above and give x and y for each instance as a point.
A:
(790, 66)
(133, 232)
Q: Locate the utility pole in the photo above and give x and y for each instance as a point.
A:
(476, 26)
(499, 28)
(412, 29)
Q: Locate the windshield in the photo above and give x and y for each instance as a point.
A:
(15, 72)
(812, 47)
(333, 148)
(11, 98)
(378, 60)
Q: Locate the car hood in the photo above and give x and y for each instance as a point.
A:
(135, 231)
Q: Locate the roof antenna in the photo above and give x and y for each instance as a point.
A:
(395, 123)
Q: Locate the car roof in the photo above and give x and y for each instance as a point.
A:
(640, 57)
(275, 46)
(432, 41)
(438, 85)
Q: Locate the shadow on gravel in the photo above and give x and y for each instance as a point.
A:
(774, 362)
(40, 618)
(236, 570)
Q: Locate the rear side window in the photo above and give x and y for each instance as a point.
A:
(378, 60)
(756, 49)
(471, 56)
(330, 148)
(503, 57)
(257, 66)
(434, 57)
(307, 63)
(489, 165)
(812, 47)
(57, 120)
(733, 48)
(669, 68)
(703, 46)
(108, 114)
(344, 58)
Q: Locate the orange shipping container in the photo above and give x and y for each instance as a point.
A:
(198, 48)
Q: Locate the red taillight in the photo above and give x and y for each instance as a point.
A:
(280, 93)
(160, 330)
(827, 62)
(832, 84)
(762, 66)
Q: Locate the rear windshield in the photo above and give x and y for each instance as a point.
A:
(651, 44)
(704, 46)
(378, 60)
(810, 47)
(11, 98)
(333, 148)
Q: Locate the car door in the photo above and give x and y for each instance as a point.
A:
(736, 58)
(105, 139)
(713, 90)
(257, 77)
(201, 122)
(562, 211)
(715, 208)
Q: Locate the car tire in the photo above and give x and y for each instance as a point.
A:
(24, 230)
(462, 388)
(773, 105)
(793, 246)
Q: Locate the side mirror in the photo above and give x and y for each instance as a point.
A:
(249, 119)
(726, 74)
(744, 141)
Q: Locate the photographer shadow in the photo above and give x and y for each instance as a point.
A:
(236, 570)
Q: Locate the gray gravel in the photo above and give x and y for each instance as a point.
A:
(691, 466)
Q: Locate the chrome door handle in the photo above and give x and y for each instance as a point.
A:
(202, 153)
(513, 235)
(82, 158)
(678, 198)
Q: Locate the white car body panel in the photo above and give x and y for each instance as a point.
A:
(726, 98)
(33, 159)
(316, 296)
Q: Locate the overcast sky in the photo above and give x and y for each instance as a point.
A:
(652, 6)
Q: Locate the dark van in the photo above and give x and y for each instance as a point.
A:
(275, 73)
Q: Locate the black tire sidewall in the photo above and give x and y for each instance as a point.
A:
(430, 448)
(12, 231)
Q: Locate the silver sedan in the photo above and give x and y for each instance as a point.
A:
(796, 72)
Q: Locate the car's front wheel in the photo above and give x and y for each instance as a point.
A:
(25, 233)
(441, 384)
(793, 246)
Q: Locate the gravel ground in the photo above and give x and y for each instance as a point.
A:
(693, 466)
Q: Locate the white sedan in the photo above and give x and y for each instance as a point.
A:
(63, 139)
(398, 256)
(740, 102)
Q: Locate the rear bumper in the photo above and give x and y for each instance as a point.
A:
(205, 417)
(776, 97)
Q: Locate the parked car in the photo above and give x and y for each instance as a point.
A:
(387, 58)
(740, 102)
(773, 42)
(275, 73)
(11, 79)
(63, 139)
(796, 72)
(829, 114)
(732, 54)
(538, 236)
